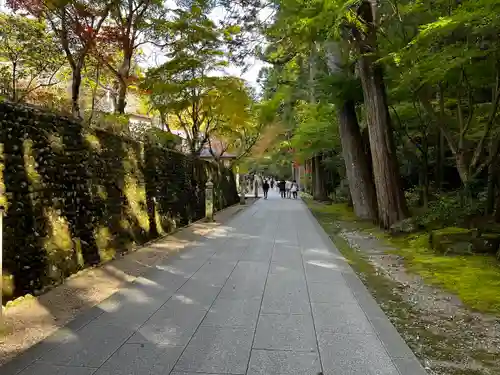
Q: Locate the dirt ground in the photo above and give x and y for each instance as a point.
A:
(449, 338)
(29, 320)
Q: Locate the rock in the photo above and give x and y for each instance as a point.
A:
(487, 243)
(404, 226)
(452, 240)
(463, 241)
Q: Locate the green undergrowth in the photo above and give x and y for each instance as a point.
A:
(453, 273)
(475, 279)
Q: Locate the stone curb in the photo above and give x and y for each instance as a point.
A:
(401, 355)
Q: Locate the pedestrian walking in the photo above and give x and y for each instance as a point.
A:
(265, 188)
(282, 188)
(294, 189)
(288, 186)
(256, 186)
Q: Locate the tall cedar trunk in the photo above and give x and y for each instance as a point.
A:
(390, 198)
(358, 170)
(319, 180)
(75, 90)
(361, 187)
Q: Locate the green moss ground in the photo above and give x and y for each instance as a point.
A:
(474, 279)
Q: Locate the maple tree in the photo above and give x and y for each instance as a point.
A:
(76, 24)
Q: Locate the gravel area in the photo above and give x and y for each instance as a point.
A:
(447, 336)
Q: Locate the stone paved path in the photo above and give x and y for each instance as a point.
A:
(266, 294)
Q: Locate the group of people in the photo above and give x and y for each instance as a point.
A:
(287, 189)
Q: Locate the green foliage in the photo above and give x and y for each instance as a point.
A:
(448, 210)
(30, 57)
(76, 197)
(188, 87)
(316, 130)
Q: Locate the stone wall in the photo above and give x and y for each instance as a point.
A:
(76, 197)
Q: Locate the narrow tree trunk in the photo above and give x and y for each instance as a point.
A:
(14, 81)
(425, 190)
(390, 198)
(313, 176)
(75, 90)
(490, 197)
(440, 160)
(319, 183)
(122, 96)
(497, 200)
(361, 187)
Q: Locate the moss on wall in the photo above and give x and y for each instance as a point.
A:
(76, 197)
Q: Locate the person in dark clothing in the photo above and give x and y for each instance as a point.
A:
(265, 188)
(282, 186)
(272, 184)
(294, 189)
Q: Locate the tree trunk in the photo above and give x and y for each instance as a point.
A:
(122, 96)
(440, 160)
(490, 197)
(75, 90)
(497, 201)
(390, 198)
(319, 192)
(358, 173)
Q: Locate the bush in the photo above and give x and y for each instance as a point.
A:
(449, 210)
(76, 197)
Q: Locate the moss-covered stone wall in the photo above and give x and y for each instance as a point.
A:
(76, 197)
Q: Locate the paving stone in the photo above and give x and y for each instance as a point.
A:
(174, 324)
(354, 354)
(341, 318)
(233, 313)
(141, 359)
(130, 308)
(323, 272)
(338, 293)
(48, 369)
(257, 254)
(231, 254)
(215, 272)
(222, 350)
(197, 293)
(285, 302)
(90, 346)
(409, 366)
(285, 332)
(53, 341)
(274, 252)
(393, 342)
(286, 280)
(266, 362)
